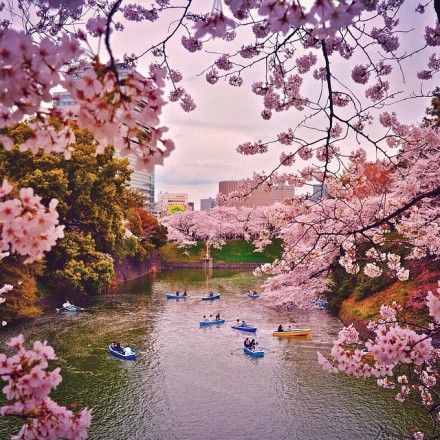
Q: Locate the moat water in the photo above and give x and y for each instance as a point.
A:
(192, 383)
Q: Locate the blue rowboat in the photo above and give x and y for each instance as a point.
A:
(218, 322)
(118, 354)
(252, 295)
(72, 309)
(255, 354)
(319, 304)
(244, 329)
(173, 296)
(211, 298)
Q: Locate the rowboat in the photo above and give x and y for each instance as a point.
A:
(244, 329)
(173, 296)
(217, 322)
(293, 332)
(252, 295)
(255, 354)
(211, 298)
(319, 304)
(72, 309)
(120, 355)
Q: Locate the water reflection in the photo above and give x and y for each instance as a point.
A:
(191, 382)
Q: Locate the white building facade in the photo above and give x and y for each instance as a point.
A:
(170, 203)
(141, 181)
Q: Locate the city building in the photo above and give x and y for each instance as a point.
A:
(141, 181)
(319, 192)
(190, 206)
(170, 203)
(62, 99)
(144, 183)
(207, 204)
(258, 197)
(282, 192)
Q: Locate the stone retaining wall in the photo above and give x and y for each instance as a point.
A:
(246, 266)
(130, 268)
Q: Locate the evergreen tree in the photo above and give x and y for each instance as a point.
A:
(93, 196)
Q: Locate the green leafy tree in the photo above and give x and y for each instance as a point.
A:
(93, 196)
(76, 265)
(433, 112)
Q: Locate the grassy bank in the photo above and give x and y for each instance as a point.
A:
(235, 251)
(356, 298)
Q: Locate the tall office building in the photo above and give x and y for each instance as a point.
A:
(62, 99)
(141, 181)
(319, 192)
(258, 197)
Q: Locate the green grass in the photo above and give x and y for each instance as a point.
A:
(235, 251)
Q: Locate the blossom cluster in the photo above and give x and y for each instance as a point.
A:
(123, 112)
(392, 346)
(28, 387)
(28, 227)
(29, 72)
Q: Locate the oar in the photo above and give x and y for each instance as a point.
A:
(236, 349)
(272, 350)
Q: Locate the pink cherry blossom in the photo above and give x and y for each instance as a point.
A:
(28, 394)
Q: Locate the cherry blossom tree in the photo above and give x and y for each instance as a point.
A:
(219, 224)
(400, 355)
(340, 67)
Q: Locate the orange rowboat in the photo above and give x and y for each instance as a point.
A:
(294, 332)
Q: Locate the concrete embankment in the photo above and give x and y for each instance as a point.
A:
(244, 266)
(130, 269)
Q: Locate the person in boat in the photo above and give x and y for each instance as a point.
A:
(185, 293)
(280, 328)
(177, 293)
(289, 329)
(127, 351)
(252, 347)
(243, 323)
(254, 292)
(217, 317)
(211, 293)
(117, 347)
(211, 318)
(67, 305)
(237, 324)
(247, 343)
(204, 319)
